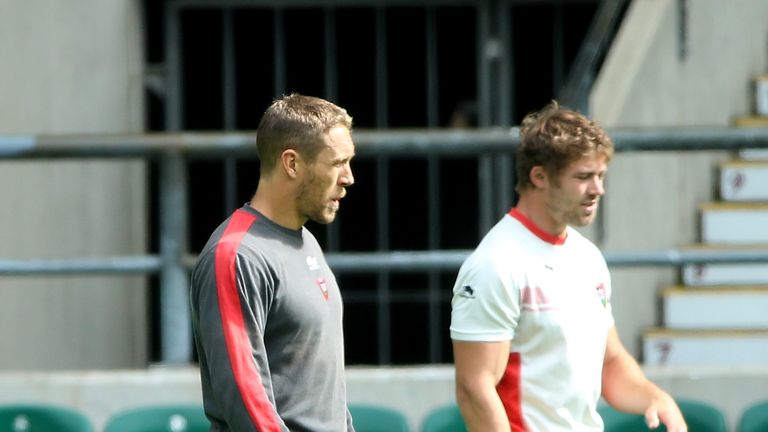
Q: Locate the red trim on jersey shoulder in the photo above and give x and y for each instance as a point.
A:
(538, 232)
(509, 393)
(244, 368)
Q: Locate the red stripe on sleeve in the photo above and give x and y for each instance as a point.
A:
(509, 392)
(244, 368)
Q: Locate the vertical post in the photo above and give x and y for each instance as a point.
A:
(505, 112)
(434, 290)
(383, 297)
(330, 62)
(382, 77)
(682, 29)
(176, 330)
(279, 59)
(505, 73)
(488, 47)
(229, 108)
(432, 77)
(382, 282)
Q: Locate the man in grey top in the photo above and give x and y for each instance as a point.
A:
(266, 309)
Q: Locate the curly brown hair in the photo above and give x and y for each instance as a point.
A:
(553, 138)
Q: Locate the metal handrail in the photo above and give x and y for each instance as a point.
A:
(398, 261)
(172, 150)
(389, 142)
(575, 92)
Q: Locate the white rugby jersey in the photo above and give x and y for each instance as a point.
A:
(549, 296)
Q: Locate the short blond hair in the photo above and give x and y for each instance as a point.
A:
(296, 122)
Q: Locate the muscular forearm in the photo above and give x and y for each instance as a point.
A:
(625, 386)
(482, 409)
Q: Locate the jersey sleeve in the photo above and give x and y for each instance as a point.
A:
(486, 303)
(233, 301)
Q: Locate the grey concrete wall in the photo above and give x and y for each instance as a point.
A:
(71, 67)
(652, 199)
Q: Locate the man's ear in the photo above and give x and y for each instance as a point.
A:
(289, 160)
(538, 176)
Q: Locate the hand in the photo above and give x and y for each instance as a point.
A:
(663, 409)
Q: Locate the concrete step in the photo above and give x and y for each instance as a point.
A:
(709, 274)
(664, 347)
(743, 180)
(734, 223)
(716, 308)
(754, 154)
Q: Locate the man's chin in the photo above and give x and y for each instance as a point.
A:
(324, 219)
(583, 220)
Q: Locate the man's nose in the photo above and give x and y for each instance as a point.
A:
(347, 179)
(597, 187)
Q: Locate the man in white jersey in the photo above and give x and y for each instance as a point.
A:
(534, 341)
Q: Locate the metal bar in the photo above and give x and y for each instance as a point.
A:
(229, 90)
(368, 143)
(331, 69)
(483, 69)
(504, 185)
(338, 3)
(434, 294)
(141, 264)
(485, 193)
(433, 118)
(280, 54)
(346, 3)
(382, 280)
(228, 83)
(396, 261)
(331, 93)
(486, 79)
(174, 101)
(682, 29)
(506, 73)
(382, 77)
(451, 260)
(176, 341)
(575, 92)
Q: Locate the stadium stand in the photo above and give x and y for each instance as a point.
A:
(700, 416)
(754, 418)
(166, 418)
(371, 418)
(444, 419)
(40, 417)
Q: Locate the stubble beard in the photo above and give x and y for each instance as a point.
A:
(320, 212)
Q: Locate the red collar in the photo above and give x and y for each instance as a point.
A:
(538, 232)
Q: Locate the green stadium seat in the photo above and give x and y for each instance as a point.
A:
(42, 418)
(755, 418)
(160, 418)
(444, 419)
(371, 418)
(700, 417)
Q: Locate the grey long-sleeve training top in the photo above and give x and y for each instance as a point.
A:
(267, 322)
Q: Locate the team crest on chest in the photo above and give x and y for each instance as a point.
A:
(323, 287)
(601, 293)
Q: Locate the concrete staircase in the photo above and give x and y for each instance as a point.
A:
(719, 315)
